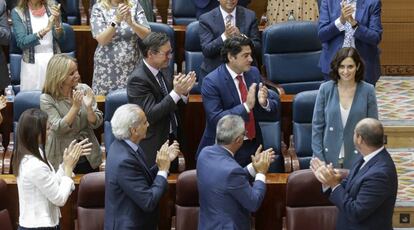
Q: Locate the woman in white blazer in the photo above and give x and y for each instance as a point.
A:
(341, 103)
(41, 190)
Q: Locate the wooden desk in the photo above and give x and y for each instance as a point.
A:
(269, 216)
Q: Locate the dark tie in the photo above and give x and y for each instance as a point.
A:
(250, 124)
(359, 164)
(164, 92)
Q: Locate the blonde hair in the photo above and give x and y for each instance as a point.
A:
(24, 4)
(107, 3)
(56, 73)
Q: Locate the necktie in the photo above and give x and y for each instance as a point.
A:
(164, 92)
(349, 32)
(228, 19)
(359, 164)
(250, 124)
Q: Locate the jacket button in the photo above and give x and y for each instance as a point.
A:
(326, 149)
(330, 128)
(356, 151)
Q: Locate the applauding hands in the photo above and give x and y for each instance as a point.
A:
(184, 83)
(166, 155)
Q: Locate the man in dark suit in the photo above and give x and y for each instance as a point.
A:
(221, 23)
(345, 23)
(132, 188)
(158, 93)
(225, 194)
(204, 6)
(235, 88)
(366, 198)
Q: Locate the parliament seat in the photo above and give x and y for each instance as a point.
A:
(73, 12)
(67, 46)
(183, 12)
(113, 100)
(5, 221)
(193, 54)
(302, 113)
(23, 101)
(306, 206)
(291, 53)
(91, 201)
(186, 205)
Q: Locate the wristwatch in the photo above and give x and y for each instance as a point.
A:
(355, 26)
(113, 24)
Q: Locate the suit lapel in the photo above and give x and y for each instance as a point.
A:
(360, 173)
(338, 109)
(360, 9)
(240, 19)
(218, 19)
(139, 156)
(151, 79)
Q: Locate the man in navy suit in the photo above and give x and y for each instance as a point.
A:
(356, 23)
(225, 194)
(203, 6)
(235, 88)
(221, 23)
(132, 188)
(366, 198)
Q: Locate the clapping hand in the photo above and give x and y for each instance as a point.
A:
(3, 102)
(346, 12)
(77, 97)
(71, 156)
(261, 160)
(173, 150)
(88, 98)
(263, 95)
(184, 83)
(162, 159)
(122, 14)
(251, 96)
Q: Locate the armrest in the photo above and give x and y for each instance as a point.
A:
(286, 157)
(169, 13)
(274, 86)
(7, 160)
(263, 20)
(181, 162)
(1, 161)
(103, 152)
(158, 17)
(292, 153)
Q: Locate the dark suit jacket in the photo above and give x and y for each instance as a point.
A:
(328, 133)
(144, 90)
(367, 35)
(211, 29)
(366, 199)
(4, 40)
(132, 190)
(203, 6)
(220, 98)
(225, 194)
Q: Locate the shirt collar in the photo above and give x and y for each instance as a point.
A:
(372, 155)
(131, 144)
(153, 70)
(224, 13)
(232, 73)
(232, 154)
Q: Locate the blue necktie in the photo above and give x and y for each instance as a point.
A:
(165, 93)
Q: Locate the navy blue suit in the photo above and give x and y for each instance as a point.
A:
(367, 35)
(366, 198)
(204, 6)
(132, 190)
(211, 29)
(225, 194)
(220, 98)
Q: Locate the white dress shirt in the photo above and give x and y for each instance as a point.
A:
(41, 192)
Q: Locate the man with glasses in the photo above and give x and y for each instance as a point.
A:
(159, 93)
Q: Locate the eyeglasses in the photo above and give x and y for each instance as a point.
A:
(166, 54)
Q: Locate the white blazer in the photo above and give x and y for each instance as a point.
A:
(41, 192)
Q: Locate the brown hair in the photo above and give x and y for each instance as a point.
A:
(31, 126)
(341, 55)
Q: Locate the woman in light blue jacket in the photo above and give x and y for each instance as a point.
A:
(341, 103)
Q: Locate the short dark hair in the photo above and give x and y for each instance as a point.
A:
(341, 55)
(371, 131)
(153, 41)
(234, 46)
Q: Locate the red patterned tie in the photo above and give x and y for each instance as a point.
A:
(250, 125)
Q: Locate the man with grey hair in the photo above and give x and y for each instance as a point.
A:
(159, 93)
(132, 188)
(366, 197)
(225, 194)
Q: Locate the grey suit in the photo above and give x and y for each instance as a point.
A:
(144, 90)
(4, 40)
(328, 134)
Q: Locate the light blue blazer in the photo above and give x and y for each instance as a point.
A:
(328, 134)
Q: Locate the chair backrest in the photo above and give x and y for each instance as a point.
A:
(73, 12)
(186, 205)
(23, 101)
(183, 11)
(91, 201)
(164, 28)
(271, 135)
(302, 109)
(193, 53)
(113, 100)
(291, 53)
(306, 206)
(5, 221)
(67, 46)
